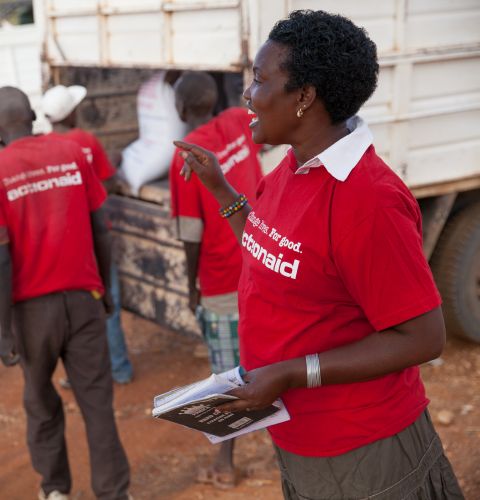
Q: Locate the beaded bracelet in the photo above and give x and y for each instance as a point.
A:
(237, 205)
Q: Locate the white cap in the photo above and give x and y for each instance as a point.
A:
(59, 101)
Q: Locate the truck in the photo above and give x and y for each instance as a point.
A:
(424, 116)
(20, 53)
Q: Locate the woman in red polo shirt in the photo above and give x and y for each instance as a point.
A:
(337, 303)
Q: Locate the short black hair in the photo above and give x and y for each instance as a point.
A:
(331, 53)
(198, 91)
(14, 107)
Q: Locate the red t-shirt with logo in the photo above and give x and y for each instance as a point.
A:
(335, 261)
(47, 190)
(230, 138)
(92, 150)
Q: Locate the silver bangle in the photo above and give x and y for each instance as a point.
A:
(314, 376)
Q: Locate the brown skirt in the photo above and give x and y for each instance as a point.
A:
(408, 466)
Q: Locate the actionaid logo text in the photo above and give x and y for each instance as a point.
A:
(269, 260)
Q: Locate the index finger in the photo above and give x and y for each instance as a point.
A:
(183, 145)
(193, 148)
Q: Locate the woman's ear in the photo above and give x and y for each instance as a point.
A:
(307, 96)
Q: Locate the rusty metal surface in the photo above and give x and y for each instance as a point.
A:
(151, 262)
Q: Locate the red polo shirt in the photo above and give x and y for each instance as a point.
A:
(196, 210)
(47, 191)
(93, 151)
(335, 262)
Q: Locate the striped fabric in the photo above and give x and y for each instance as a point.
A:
(221, 335)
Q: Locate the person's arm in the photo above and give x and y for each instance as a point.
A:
(7, 349)
(102, 247)
(192, 253)
(409, 344)
(205, 165)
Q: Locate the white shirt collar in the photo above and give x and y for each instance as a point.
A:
(342, 156)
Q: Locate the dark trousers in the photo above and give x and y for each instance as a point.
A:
(410, 465)
(70, 326)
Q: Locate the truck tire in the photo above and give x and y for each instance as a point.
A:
(456, 267)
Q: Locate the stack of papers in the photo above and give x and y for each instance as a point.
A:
(194, 406)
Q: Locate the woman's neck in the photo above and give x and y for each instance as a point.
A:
(318, 140)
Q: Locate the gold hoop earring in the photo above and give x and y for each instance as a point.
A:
(300, 113)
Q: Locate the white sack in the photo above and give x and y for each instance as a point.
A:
(149, 157)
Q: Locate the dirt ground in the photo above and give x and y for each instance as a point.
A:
(164, 457)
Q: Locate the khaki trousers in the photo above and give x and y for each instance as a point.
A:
(408, 466)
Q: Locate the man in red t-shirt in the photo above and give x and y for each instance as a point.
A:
(60, 106)
(54, 268)
(212, 252)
